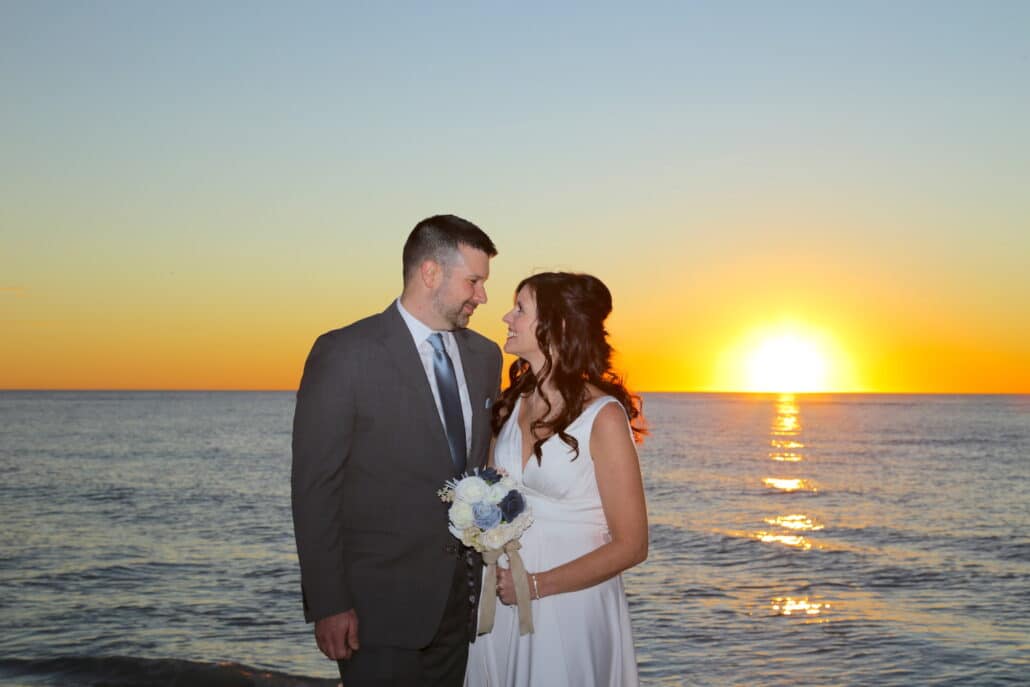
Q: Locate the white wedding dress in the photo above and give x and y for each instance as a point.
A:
(580, 638)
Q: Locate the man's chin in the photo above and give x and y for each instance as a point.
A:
(459, 321)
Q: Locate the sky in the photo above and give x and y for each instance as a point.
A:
(190, 193)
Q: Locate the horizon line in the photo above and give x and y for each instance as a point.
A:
(642, 391)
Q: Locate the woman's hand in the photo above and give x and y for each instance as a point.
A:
(505, 586)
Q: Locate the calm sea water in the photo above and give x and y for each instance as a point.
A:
(830, 540)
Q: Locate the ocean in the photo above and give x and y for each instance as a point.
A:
(146, 539)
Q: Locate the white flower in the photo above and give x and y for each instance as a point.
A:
(508, 483)
(470, 538)
(471, 489)
(496, 493)
(460, 514)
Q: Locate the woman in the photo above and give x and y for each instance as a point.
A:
(562, 432)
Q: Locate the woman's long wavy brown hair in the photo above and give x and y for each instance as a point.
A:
(571, 310)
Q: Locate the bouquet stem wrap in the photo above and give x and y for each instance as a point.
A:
(488, 601)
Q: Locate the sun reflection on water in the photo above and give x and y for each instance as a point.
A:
(787, 421)
(787, 457)
(788, 605)
(787, 539)
(786, 443)
(794, 522)
(791, 484)
(786, 447)
(786, 424)
(786, 427)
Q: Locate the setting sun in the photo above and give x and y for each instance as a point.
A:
(790, 357)
(786, 363)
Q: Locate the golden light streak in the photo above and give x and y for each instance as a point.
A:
(790, 605)
(795, 522)
(786, 457)
(794, 484)
(787, 423)
(795, 540)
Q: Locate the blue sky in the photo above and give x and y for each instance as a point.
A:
(260, 154)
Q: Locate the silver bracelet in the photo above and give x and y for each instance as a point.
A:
(536, 587)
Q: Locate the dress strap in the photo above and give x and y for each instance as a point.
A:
(598, 403)
(586, 418)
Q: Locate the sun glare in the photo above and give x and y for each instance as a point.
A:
(790, 357)
(786, 363)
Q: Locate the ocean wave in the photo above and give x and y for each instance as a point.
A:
(128, 671)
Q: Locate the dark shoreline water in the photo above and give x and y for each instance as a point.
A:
(808, 540)
(124, 670)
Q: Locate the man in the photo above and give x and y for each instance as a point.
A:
(389, 408)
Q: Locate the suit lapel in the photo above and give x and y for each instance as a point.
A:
(397, 340)
(403, 353)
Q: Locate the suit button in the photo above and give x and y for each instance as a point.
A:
(451, 549)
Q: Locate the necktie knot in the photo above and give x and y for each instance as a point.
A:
(436, 341)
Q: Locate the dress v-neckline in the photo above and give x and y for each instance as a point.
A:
(525, 461)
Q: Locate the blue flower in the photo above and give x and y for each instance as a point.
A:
(486, 515)
(512, 505)
(490, 476)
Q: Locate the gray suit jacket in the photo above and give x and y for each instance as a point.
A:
(369, 454)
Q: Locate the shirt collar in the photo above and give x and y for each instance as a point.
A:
(420, 332)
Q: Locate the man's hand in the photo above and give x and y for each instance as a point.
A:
(337, 635)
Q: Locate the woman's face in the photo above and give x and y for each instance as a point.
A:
(521, 321)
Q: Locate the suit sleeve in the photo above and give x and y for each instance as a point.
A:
(323, 424)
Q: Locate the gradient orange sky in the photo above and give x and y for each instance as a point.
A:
(190, 197)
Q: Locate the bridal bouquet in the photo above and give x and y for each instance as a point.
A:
(487, 511)
(489, 514)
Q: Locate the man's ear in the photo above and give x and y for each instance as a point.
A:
(431, 272)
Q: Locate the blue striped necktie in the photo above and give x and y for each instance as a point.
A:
(447, 386)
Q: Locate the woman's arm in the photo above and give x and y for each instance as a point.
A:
(620, 484)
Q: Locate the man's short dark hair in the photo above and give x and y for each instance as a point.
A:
(438, 237)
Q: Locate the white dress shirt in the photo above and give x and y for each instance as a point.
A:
(421, 333)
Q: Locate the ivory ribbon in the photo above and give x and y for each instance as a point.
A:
(488, 600)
